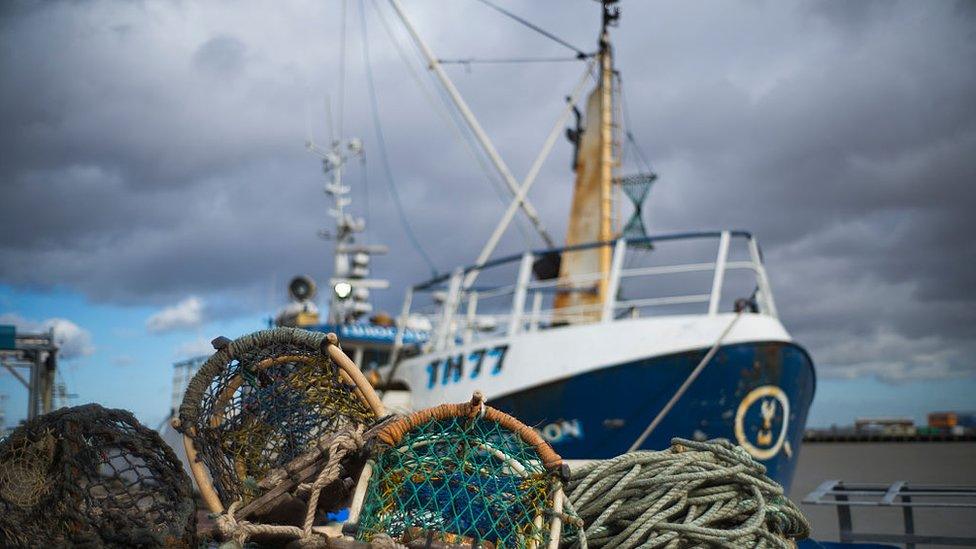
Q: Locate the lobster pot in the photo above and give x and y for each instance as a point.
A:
(92, 476)
(456, 476)
(262, 410)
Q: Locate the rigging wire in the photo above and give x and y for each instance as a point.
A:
(506, 60)
(364, 182)
(632, 142)
(381, 142)
(630, 136)
(471, 143)
(328, 120)
(439, 108)
(579, 53)
(451, 118)
(342, 67)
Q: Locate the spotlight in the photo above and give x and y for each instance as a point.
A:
(342, 289)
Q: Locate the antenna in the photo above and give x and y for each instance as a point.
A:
(351, 265)
(611, 13)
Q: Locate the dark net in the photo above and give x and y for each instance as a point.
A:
(462, 481)
(94, 477)
(636, 188)
(262, 402)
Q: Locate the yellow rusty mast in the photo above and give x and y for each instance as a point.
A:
(586, 272)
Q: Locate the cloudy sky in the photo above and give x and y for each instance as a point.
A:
(155, 191)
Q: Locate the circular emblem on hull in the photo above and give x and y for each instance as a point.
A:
(761, 421)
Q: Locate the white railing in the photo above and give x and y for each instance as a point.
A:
(465, 314)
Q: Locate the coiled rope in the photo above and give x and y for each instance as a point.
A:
(695, 493)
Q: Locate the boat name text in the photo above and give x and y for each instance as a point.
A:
(454, 368)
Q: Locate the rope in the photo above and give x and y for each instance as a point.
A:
(240, 530)
(342, 69)
(342, 445)
(580, 53)
(450, 116)
(570, 517)
(505, 60)
(684, 386)
(381, 142)
(709, 493)
(629, 135)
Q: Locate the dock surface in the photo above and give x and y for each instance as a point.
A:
(918, 462)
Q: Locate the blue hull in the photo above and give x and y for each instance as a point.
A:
(755, 394)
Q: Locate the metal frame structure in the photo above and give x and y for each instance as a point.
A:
(845, 495)
(183, 372)
(526, 313)
(38, 353)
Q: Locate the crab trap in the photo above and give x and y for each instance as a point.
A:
(94, 477)
(460, 474)
(259, 418)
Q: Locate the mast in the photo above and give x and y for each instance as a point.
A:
(591, 216)
(350, 285)
(349, 298)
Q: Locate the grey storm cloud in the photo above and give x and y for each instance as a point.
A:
(153, 151)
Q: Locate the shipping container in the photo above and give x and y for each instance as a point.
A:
(943, 420)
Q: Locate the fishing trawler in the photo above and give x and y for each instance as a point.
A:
(598, 343)
(617, 340)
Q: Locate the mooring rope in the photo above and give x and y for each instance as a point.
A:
(685, 385)
(710, 493)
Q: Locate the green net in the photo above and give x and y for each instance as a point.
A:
(461, 480)
(262, 402)
(636, 188)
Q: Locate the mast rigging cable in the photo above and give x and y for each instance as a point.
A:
(450, 116)
(508, 60)
(579, 53)
(381, 142)
(628, 134)
(342, 69)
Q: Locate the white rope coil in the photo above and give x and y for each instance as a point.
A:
(695, 493)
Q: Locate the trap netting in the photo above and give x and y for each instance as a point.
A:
(636, 188)
(264, 403)
(95, 477)
(461, 474)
